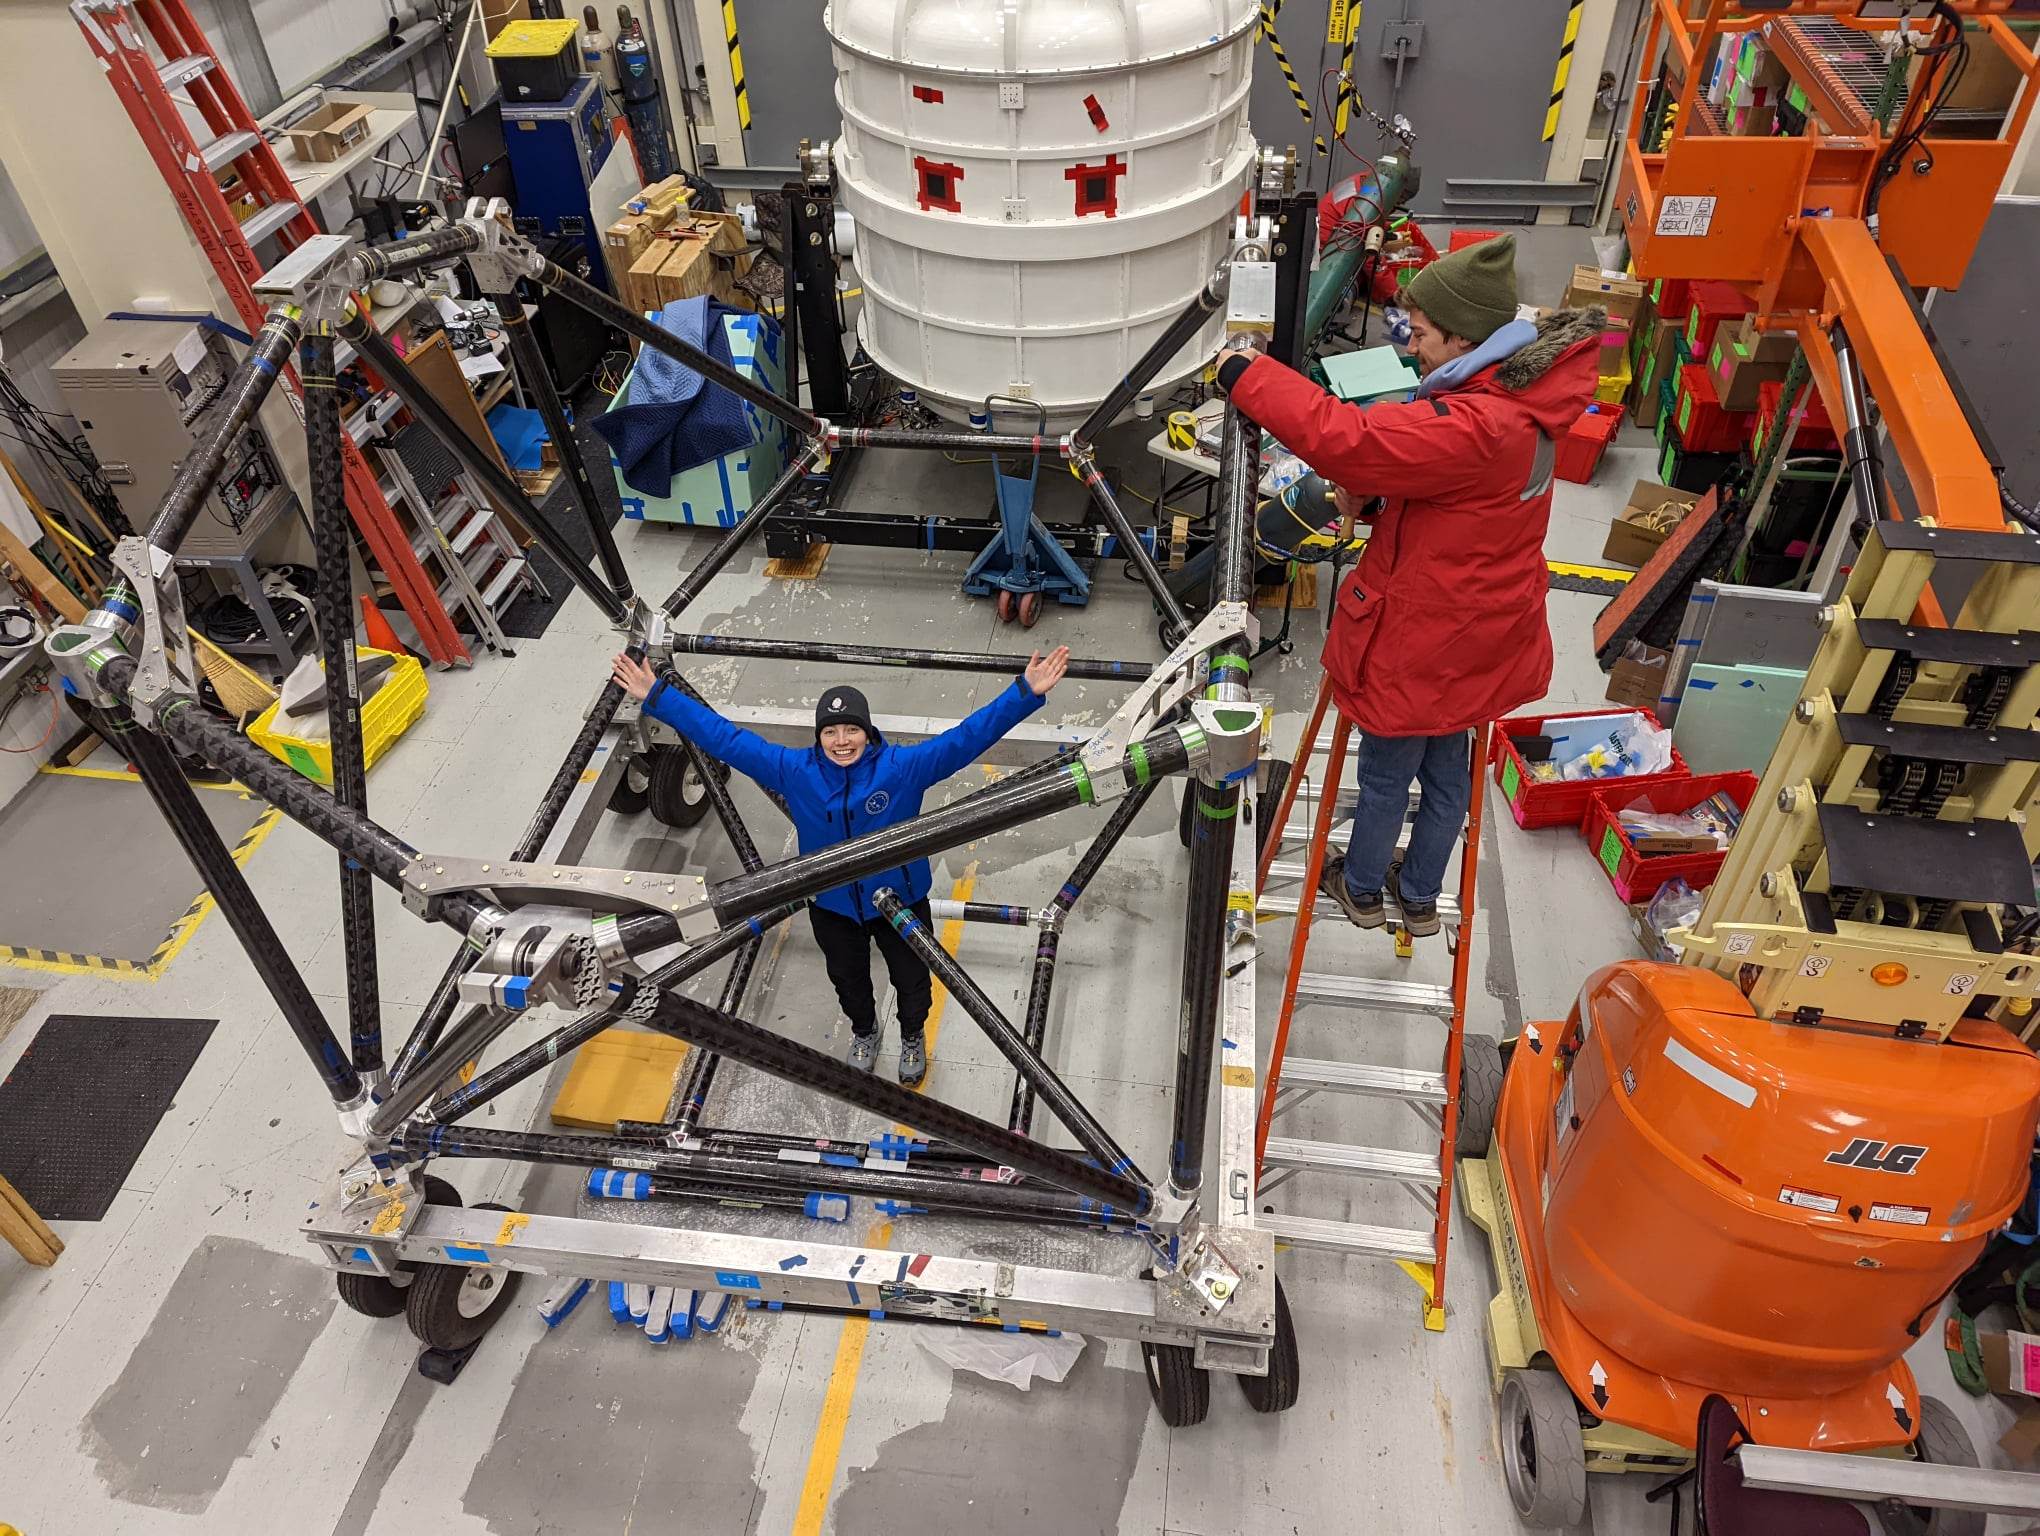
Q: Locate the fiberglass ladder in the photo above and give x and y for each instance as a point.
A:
(155, 53)
(1289, 886)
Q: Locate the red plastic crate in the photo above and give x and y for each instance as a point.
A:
(1709, 304)
(1565, 803)
(1462, 238)
(1816, 429)
(1637, 877)
(1703, 426)
(1580, 450)
(1671, 297)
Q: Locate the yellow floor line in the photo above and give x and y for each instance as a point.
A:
(827, 1447)
(129, 776)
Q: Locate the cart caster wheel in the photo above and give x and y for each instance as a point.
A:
(1942, 1442)
(1030, 609)
(450, 1306)
(1276, 1392)
(1180, 1387)
(1480, 1095)
(377, 1295)
(1004, 606)
(1543, 1459)
(633, 791)
(675, 792)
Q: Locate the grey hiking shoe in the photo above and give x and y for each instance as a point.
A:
(864, 1051)
(913, 1059)
(1419, 917)
(1363, 911)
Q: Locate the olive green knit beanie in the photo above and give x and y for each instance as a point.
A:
(1471, 292)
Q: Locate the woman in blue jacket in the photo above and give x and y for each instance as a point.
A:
(853, 781)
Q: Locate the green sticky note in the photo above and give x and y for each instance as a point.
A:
(1611, 851)
(304, 762)
(1511, 780)
(1668, 465)
(1685, 411)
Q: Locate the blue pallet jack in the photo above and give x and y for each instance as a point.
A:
(1025, 564)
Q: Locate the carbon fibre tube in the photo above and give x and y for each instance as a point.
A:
(1239, 475)
(1143, 563)
(710, 565)
(247, 387)
(599, 304)
(1034, 1028)
(1054, 1092)
(200, 840)
(332, 544)
(401, 256)
(1180, 333)
(946, 441)
(466, 1041)
(377, 352)
(790, 1061)
(895, 656)
(995, 809)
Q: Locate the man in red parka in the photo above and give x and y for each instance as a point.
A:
(1441, 625)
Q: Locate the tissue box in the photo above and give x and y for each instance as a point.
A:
(720, 492)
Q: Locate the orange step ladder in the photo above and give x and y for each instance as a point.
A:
(150, 48)
(1286, 885)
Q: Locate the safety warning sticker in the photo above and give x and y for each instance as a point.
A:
(1562, 1113)
(1905, 1215)
(1809, 1199)
(1685, 216)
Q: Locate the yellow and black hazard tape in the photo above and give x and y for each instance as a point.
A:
(1561, 575)
(1564, 70)
(181, 931)
(729, 22)
(1343, 109)
(1269, 12)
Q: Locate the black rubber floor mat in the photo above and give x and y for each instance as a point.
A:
(82, 1102)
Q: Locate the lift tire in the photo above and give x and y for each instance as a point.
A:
(1030, 609)
(1003, 606)
(1543, 1459)
(1480, 1095)
(1187, 812)
(1180, 1387)
(450, 1306)
(377, 1295)
(1942, 1442)
(633, 790)
(676, 794)
(1271, 802)
(1276, 1392)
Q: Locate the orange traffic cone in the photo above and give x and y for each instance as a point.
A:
(380, 636)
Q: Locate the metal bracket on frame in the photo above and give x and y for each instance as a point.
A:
(430, 878)
(1172, 681)
(164, 669)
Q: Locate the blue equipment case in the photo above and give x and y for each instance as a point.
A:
(555, 149)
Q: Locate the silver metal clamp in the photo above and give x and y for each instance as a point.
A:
(501, 256)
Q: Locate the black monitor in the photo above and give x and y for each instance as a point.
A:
(484, 158)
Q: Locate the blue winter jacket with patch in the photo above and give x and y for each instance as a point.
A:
(831, 804)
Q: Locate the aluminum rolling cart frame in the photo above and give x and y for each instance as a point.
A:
(578, 937)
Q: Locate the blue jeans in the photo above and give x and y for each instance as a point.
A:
(1386, 765)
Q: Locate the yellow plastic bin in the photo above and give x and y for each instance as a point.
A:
(392, 710)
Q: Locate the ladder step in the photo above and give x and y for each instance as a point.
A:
(1290, 872)
(185, 70)
(1377, 993)
(1365, 1162)
(228, 148)
(262, 225)
(504, 580)
(1412, 1084)
(1348, 1237)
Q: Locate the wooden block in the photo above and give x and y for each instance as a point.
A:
(622, 1074)
(1179, 541)
(1302, 593)
(26, 1232)
(806, 568)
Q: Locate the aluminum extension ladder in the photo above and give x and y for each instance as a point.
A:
(1289, 886)
(151, 49)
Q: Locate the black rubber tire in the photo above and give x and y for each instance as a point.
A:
(629, 797)
(437, 1304)
(1942, 1442)
(1186, 812)
(1030, 609)
(1277, 1391)
(1271, 802)
(375, 1295)
(677, 796)
(1480, 1094)
(1543, 1459)
(1180, 1387)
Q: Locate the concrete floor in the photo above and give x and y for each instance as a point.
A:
(185, 1366)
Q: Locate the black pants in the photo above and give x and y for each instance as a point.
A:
(846, 950)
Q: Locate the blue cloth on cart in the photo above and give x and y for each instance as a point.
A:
(672, 422)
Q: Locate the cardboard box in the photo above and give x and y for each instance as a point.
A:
(2011, 1362)
(2022, 1441)
(1631, 540)
(1759, 346)
(1639, 683)
(329, 132)
(1621, 296)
